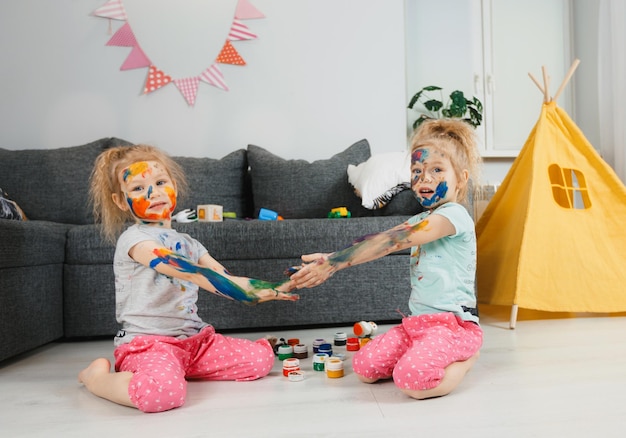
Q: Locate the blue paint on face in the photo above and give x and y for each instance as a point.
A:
(440, 193)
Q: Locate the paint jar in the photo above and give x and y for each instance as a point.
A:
(293, 341)
(289, 365)
(363, 341)
(316, 344)
(365, 328)
(295, 376)
(334, 368)
(319, 359)
(352, 344)
(285, 352)
(300, 351)
(340, 339)
(326, 348)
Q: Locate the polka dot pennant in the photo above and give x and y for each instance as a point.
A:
(229, 55)
(156, 79)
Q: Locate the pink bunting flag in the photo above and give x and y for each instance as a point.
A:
(213, 76)
(135, 59)
(246, 11)
(112, 9)
(240, 31)
(189, 88)
(124, 37)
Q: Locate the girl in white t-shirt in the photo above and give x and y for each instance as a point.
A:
(431, 351)
(163, 341)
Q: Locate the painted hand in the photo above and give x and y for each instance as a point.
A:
(313, 273)
(280, 292)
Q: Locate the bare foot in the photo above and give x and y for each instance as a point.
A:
(96, 368)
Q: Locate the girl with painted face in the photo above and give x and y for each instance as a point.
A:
(431, 351)
(158, 271)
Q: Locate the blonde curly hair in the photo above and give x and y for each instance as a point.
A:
(104, 182)
(457, 139)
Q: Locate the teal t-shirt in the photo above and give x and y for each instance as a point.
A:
(443, 272)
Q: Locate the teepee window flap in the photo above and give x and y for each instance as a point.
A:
(569, 188)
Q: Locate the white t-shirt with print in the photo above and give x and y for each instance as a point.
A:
(150, 303)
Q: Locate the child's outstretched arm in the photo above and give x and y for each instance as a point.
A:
(319, 267)
(210, 275)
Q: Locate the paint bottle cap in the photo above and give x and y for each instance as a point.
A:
(364, 328)
(316, 344)
(289, 365)
(352, 344)
(285, 351)
(300, 351)
(295, 376)
(334, 367)
(325, 348)
(340, 338)
(293, 341)
(318, 361)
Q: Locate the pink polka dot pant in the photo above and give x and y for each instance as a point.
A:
(161, 365)
(416, 353)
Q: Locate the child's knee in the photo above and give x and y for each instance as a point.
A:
(415, 376)
(149, 394)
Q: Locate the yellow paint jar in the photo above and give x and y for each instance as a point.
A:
(334, 368)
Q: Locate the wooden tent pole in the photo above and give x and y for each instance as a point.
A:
(567, 78)
(546, 85)
(513, 318)
(536, 83)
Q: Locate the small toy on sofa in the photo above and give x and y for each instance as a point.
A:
(339, 212)
(269, 215)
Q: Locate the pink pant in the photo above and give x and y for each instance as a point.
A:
(417, 352)
(161, 365)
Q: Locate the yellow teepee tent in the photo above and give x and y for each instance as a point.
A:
(553, 237)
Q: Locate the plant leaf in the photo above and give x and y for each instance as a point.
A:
(433, 105)
(415, 98)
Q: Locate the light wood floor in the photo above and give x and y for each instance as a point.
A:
(552, 376)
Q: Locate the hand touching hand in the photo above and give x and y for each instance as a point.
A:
(316, 271)
(281, 292)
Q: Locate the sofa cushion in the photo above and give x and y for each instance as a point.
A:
(53, 184)
(403, 203)
(298, 189)
(222, 182)
(380, 178)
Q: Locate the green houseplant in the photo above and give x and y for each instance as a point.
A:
(458, 106)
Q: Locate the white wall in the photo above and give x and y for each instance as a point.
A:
(585, 18)
(322, 75)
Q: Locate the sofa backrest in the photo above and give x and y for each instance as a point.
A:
(53, 184)
(298, 189)
(223, 182)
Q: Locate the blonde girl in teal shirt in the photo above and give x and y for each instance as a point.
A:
(430, 352)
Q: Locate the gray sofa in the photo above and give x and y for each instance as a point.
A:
(56, 275)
